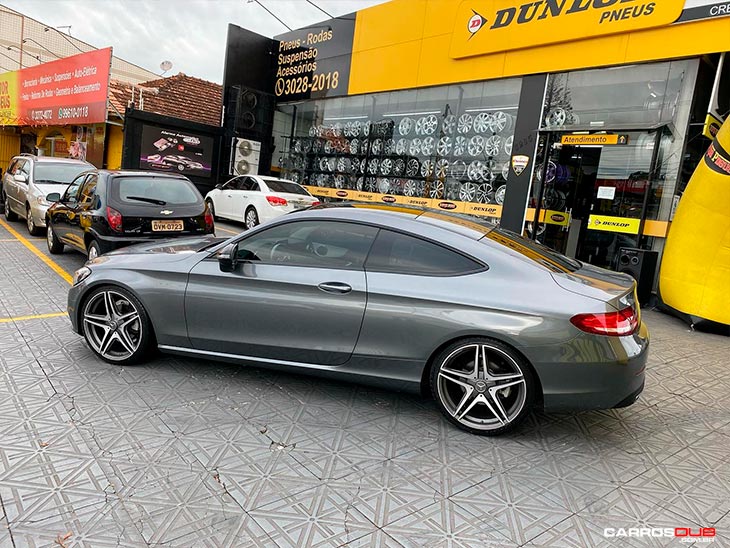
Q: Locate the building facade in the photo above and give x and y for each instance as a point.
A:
(576, 122)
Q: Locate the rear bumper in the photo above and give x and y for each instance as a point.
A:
(593, 372)
(110, 243)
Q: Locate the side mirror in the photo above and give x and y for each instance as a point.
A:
(53, 197)
(228, 258)
(20, 178)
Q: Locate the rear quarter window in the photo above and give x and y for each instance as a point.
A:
(155, 190)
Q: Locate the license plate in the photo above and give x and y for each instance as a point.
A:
(167, 226)
(300, 205)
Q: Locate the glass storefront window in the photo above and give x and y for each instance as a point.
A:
(442, 143)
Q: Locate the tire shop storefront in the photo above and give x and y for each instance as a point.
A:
(575, 121)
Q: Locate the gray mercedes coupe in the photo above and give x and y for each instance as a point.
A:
(489, 323)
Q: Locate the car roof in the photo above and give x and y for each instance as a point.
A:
(138, 173)
(53, 160)
(418, 220)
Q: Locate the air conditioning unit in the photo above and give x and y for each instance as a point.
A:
(245, 157)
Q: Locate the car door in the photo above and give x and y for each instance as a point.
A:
(63, 214)
(6, 179)
(80, 216)
(298, 294)
(223, 202)
(15, 190)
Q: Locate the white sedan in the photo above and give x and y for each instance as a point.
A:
(257, 199)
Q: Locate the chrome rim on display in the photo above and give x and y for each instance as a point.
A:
(389, 146)
(426, 125)
(449, 124)
(481, 386)
(458, 169)
(384, 186)
(339, 181)
(428, 145)
(556, 118)
(465, 122)
(460, 144)
(467, 192)
(476, 145)
(112, 325)
(483, 193)
(413, 168)
(476, 171)
(493, 145)
(508, 142)
(441, 169)
(436, 190)
(370, 185)
(483, 123)
(354, 146)
(401, 146)
(444, 146)
(366, 128)
(377, 147)
(499, 195)
(505, 171)
(452, 190)
(499, 121)
(427, 168)
(373, 166)
(410, 188)
(415, 147)
(328, 148)
(405, 127)
(386, 166)
(399, 167)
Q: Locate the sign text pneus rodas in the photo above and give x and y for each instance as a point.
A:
(492, 26)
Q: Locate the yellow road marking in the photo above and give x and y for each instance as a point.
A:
(226, 230)
(35, 317)
(52, 264)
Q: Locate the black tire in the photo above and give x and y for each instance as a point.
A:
(145, 348)
(9, 214)
(95, 248)
(515, 400)
(211, 207)
(55, 246)
(33, 230)
(250, 218)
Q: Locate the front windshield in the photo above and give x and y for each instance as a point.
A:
(59, 174)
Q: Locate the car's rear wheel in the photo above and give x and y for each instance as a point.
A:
(211, 208)
(116, 326)
(251, 218)
(94, 249)
(10, 215)
(33, 230)
(482, 386)
(54, 244)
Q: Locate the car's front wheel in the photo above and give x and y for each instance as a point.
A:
(116, 326)
(483, 386)
(10, 215)
(251, 219)
(54, 244)
(211, 208)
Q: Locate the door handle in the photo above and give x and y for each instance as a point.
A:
(335, 287)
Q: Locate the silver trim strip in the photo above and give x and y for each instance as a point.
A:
(196, 352)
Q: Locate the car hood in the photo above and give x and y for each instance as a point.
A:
(175, 246)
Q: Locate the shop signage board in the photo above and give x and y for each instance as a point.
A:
(165, 149)
(600, 139)
(605, 223)
(314, 62)
(696, 10)
(492, 26)
(72, 90)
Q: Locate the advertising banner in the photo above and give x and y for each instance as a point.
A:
(695, 10)
(173, 150)
(72, 90)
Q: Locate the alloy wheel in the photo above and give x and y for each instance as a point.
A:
(481, 387)
(112, 325)
(29, 221)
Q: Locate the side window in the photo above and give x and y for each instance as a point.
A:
(88, 192)
(11, 168)
(72, 191)
(24, 167)
(233, 184)
(399, 253)
(248, 183)
(327, 244)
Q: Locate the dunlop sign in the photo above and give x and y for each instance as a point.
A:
(604, 223)
(492, 26)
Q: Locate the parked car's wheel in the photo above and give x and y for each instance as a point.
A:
(33, 230)
(482, 386)
(116, 326)
(251, 218)
(10, 215)
(94, 249)
(211, 208)
(180, 167)
(54, 244)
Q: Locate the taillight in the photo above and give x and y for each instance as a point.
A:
(315, 204)
(209, 222)
(114, 218)
(276, 201)
(612, 324)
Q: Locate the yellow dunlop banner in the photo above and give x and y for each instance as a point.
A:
(624, 225)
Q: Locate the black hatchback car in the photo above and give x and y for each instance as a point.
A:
(103, 210)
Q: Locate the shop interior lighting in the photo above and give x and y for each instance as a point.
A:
(485, 109)
(327, 119)
(600, 123)
(412, 113)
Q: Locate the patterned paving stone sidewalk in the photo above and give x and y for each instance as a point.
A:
(182, 453)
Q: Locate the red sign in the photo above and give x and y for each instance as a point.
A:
(72, 90)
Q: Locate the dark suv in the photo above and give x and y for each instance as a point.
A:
(103, 210)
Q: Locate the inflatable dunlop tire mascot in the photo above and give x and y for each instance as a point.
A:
(695, 274)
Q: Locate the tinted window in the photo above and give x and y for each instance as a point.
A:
(534, 251)
(247, 183)
(394, 252)
(310, 243)
(12, 167)
(71, 194)
(233, 184)
(155, 190)
(62, 174)
(285, 186)
(88, 191)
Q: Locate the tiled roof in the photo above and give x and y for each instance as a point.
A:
(179, 96)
